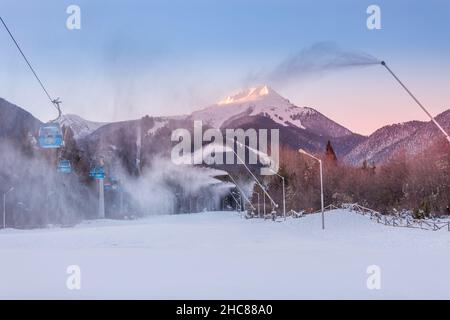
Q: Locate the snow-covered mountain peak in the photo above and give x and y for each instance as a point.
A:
(250, 94)
(80, 127)
(260, 100)
(263, 101)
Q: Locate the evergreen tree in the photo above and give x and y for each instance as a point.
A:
(330, 155)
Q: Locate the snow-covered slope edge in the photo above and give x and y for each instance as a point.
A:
(80, 127)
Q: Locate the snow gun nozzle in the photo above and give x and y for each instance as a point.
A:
(383, 63)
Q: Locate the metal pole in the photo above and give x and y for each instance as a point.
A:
(4, 210)
(256, 180)
(264, 203)
(101, 199)
(284, 194)
(417, 101)
(242, 204)
(121, 203)
(241, 193)
(284, 200)
(321, 195)
(4, 206)
(321, 183)
(259, 209)
(234, 198)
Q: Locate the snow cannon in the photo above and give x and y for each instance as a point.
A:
(447, 136)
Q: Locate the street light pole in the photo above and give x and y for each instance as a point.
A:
(284, 200)
(321, 183)
(4, 206)
(321, 194)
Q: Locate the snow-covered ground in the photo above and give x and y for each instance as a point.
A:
(220, 255)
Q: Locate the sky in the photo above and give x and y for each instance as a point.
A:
(135, 58)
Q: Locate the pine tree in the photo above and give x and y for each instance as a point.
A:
(330, 155)
(364, 166)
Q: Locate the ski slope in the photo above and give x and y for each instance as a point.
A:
(219, 255)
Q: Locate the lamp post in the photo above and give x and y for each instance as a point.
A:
(284, 193)
(321, 183)
(4, 206)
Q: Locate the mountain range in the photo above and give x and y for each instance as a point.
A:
(258, 107)
(80, 127)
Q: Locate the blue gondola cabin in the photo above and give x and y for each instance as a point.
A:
(97, 172)
(50, 136)
(64, 166)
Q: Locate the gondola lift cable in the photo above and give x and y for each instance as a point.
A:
(55, 102)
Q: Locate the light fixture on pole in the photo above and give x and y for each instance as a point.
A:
(321, 183)
(4, 206)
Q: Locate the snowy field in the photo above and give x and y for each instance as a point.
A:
(222, 256)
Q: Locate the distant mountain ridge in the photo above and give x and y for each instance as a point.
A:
(262, 107)
(259, 108)
(410, 138)
(80, 127)
(376, 147)
(17, 124)
(264, 101)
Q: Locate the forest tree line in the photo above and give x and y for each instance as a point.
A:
(420, 183)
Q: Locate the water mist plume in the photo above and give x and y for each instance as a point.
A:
(318, 59)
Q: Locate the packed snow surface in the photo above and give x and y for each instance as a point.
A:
(215, 255)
